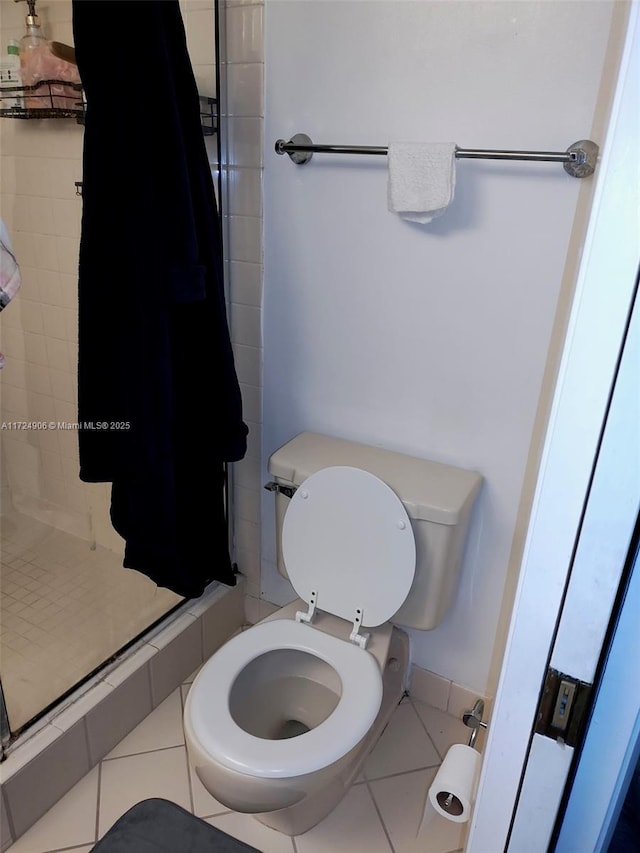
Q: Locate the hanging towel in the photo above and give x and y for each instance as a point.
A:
(422, 178)
(150, 278)
(9, 273)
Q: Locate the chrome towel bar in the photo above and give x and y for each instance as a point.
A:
(579, 160)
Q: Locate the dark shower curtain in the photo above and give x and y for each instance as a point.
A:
(159, 403)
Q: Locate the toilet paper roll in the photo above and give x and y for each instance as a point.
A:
(453, 790)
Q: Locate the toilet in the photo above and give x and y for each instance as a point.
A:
(279, 721)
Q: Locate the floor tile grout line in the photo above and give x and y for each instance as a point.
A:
(186, 758)
(293, 841)
(143, 752)
(99, 794)
(422, 723)
(400, 773)
(216, 814)
(63, 849)
(381, 819)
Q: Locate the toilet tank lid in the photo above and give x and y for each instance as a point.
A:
(430, 491)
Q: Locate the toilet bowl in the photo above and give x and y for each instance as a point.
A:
(284, 680)
(291, 693)
(278, 713)
(279, 721)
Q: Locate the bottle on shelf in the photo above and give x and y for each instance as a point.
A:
(40, 61)
(11, 77)
(33, 50)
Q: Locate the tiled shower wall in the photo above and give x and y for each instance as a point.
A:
(242, 69)
(40, 162)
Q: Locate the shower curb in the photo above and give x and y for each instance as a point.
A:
(52, 757)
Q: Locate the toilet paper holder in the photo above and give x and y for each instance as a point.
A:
(473, 720)
(452, 791)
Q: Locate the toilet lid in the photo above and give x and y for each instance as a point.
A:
(347, 537)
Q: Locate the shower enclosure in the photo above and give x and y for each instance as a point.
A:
(67, 606)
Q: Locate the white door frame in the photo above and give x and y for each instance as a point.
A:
(604, 292)
(602, 550)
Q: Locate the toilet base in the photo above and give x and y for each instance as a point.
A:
(301, 817)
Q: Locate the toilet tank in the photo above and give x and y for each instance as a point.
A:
(438, 499)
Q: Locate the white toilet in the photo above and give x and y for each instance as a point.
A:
(279, 721)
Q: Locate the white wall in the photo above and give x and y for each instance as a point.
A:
(430, 340)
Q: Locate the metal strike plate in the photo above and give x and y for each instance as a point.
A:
(564, 704)
(563, 707)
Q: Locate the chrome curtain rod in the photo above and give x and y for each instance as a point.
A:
(579, 159)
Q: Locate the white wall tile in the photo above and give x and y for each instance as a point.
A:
(51, 464)
(41, 405)
(35, 348)
(15, 373)
(245, 239)
(245, 324)
(67, 218)
(67, 255)
(247, 504)
(245, 141)
(38, 380)
(54, 322)
(33, 173)
(244, 34)
(200, 30)
(248, 364)
(50, 286)
(7, 179)
(13, 343)
(206, 84)
(251, 403)
(20, 207)
(58, 354)
(461, 699)
(14, 403)
(248, 473)
(67, 295)
(245, 95)
(245, 191)
(46, 251)
(41, 215)
(430, 688)
(31, 313)
(63, 179)
(245, 283)
(63, 385)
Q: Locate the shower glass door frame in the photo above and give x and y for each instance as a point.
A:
(51, 136)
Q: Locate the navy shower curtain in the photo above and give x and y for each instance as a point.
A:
(159, 403)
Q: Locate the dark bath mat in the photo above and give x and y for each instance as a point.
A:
(160, 826)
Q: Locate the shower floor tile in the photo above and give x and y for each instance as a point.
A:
(66, 608)
(381, 815)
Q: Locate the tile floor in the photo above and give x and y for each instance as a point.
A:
(66, 608)
(380, 814)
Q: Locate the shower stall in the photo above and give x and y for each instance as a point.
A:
(68, 606)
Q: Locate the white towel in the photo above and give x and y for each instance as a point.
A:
(422, 179)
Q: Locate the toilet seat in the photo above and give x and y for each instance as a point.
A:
(232, 747)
